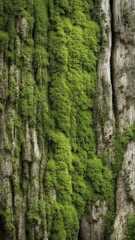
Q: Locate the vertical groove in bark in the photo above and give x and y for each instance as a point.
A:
(113, 36)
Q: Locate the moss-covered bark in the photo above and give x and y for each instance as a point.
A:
(49, 171)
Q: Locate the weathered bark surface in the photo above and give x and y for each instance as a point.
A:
(123, 92)
(125, 194)
(116, 110)
(124, 87)
(23, 159)
(123, 61)
(105, 97)
(92, 225)
(22, 162)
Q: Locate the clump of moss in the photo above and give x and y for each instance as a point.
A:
(52, 60)
(7, 219)
(73, 170)
(130, 230)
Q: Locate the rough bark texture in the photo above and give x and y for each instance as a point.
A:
(105, 122)
(122, 91)
(105, 97)
(53, 173)
(22, 161)
(116, 113)
(124, 87)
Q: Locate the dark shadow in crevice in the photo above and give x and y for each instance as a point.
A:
(114, 99)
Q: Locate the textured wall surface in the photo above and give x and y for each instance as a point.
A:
(116, 107)
(124, 88)
(67, 120)
(22, 161)
(48, 75)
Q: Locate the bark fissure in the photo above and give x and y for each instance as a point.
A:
(113, 37)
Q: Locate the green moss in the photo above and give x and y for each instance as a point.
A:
(27, 100)
(52, 61)
(130, 230)
(63, 221)
(33, 219)
(73, 171)
(121, 143)
(10, 124)
(32, 214)
(7, 219)
(109, 220)
(127, 17)
(2, 107)
(8, 148)
(58, 231)
(3, 39)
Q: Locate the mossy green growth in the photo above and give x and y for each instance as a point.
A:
(36, 217)
(2, 107)
(27, 99)
(130, 230)
(23, 28)
(109, 219)
(59, 167)
(127, 17)
(120, 146)
(3, 39)
(7, 219)
(52, 61)
(74, 175)
(63, 221)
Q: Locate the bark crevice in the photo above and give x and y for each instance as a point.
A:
(112, 78)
